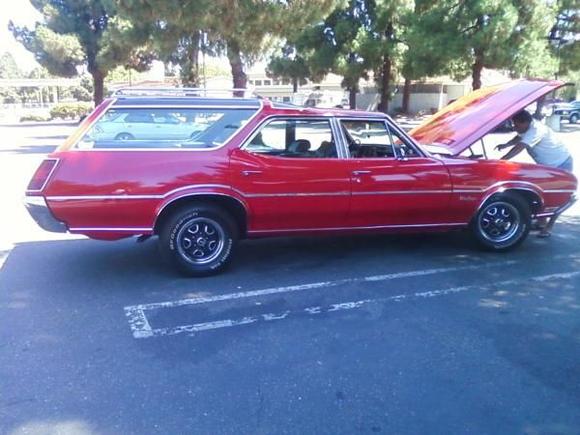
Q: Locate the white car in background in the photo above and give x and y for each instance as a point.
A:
(120, 125)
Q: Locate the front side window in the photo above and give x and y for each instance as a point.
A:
(295, 138)
(374, 139)
(160, 128)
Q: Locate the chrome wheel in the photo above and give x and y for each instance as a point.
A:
(499, 222)
(200, 240)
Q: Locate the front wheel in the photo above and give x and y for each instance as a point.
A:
(574, 118)
(198, 240)
(502, 223)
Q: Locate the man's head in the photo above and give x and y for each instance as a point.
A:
(522, 121)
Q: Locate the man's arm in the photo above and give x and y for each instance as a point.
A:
(514, 140)
(518, 148)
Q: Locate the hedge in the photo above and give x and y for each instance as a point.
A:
(70, 110)
(35, 118)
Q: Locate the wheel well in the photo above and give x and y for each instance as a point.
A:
(532, 198)
(227, 203)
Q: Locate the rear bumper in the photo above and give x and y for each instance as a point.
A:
(38, 209)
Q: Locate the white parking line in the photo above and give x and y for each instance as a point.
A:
(343, 306)
(142, 329)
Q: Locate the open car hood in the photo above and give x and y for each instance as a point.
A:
(469, 118)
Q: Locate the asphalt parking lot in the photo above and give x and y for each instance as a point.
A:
(382, 334)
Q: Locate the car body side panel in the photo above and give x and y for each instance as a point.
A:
(292, 193)
(108, 189)
(400, 192)
(476, 180)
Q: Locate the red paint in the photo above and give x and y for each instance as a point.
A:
(471, 117)
(299, 195)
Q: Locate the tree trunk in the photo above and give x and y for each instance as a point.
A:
(385, 83)
(295, 84)
(352, 97)
(190, 75)
(406, 95)
(236, 65)
(98, 86)
(476, 69)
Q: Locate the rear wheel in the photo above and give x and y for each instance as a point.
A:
(502, 223)
(198, 240)
(574, 118)
(124, 136)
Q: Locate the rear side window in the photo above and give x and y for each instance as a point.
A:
(306, 138)
(160, 128)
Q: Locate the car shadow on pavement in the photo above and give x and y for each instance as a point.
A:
(30, 149)
(136, 269)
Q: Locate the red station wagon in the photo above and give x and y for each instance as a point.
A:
(203, 173)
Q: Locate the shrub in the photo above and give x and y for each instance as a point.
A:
(35, 118)
(70, 110)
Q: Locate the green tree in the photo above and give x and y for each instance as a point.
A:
(78, 33)
(8, 67)
(9, 70)
(289, 65)
(564, 37)
(242, 30)
(174, 29)
(468, 35)
(344, 43)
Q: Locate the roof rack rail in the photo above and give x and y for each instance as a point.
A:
(185, 92)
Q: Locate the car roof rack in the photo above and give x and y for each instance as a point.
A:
(185, 92)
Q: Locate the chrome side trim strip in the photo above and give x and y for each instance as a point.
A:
(291, 194)
(453, 224)
(101, 197)
(245, 195)
(151, 196)
(113, 229)
(403, 192)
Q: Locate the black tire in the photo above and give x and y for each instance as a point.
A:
(187, 236)
(574, 118)
(508, 229)
(124, 136)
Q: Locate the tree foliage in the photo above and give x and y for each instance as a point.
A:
(242, 30)
(76, 33)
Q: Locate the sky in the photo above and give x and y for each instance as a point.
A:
(22, 13)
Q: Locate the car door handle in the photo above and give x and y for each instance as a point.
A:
(248, 173)
(360, 172)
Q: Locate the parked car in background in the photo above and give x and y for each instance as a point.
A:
(568, 111)
(245, 167)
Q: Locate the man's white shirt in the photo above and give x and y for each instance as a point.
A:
(545, 147)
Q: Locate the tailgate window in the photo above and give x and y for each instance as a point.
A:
(164, 128)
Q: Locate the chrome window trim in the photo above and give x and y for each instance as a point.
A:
(75, 147)
(388, 124)
(409, 140)
(264, 122)
(176, 107)
(339, 120)
(341, 148)
(48, 177)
